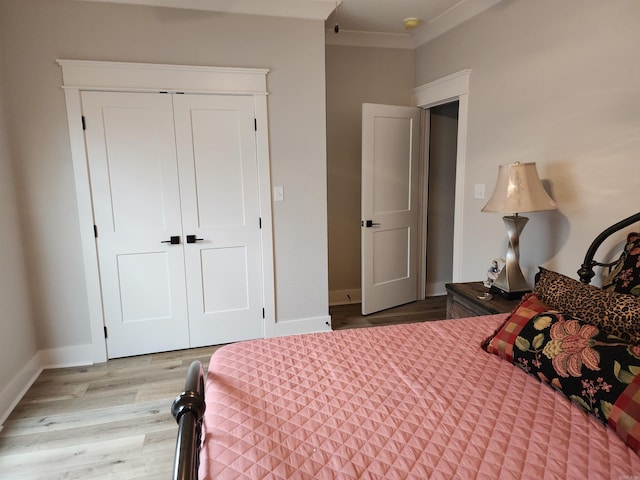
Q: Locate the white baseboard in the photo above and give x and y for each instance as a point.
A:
(66, 356)
(18, 386)
(344, 297)
(53, 358)
(303, 325)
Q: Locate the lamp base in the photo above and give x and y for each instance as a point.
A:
(512, 295)
(511, 283)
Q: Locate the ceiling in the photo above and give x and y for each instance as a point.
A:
(380, 22)
(385, 16)
(361, 22)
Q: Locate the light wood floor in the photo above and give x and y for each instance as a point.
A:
(113, 420)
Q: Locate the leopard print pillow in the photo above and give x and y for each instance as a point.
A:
(615, 313)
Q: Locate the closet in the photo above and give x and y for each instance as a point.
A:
(174, 184)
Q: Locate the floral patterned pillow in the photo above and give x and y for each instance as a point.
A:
(625, 276)
(595, 370)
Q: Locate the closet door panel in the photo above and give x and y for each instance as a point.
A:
(136, 201)
(217, 161)
(217, 154)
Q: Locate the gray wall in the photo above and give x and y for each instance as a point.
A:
(355, 75)
(555, 83)
(34, 33)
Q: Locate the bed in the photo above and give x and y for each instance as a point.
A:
(550, 390)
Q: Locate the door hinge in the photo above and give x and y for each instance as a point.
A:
(263, 314)
(95, 231)
(105, 332)
(255, 124)
(259, 222)
(84, 123)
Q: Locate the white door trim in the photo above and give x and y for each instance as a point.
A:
(450, 88)
(79, 75)
(425, 136)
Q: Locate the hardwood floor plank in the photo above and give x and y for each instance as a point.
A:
(56, 463)
(86, 403)
(78, 419)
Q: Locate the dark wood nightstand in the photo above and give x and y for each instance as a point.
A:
(463, 301)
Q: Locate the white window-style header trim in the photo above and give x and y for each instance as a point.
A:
(441, 90)
(96, 75)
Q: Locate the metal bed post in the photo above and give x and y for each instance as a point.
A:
(188, 410)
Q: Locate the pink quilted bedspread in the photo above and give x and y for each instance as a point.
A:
(418, 401)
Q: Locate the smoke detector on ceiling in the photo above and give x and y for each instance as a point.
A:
(411, 23)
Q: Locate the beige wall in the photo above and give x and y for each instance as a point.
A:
(17, 336)
(555, 83)
(355, 76)
(34, 33)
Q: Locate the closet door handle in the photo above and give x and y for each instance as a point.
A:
(193, 239)
(370, 223)
(174, 240)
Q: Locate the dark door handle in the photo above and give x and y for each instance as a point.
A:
(175, 240)
(193, 239)
(371, 223)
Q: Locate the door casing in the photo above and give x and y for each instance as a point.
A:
(447, 89)
(80, 75)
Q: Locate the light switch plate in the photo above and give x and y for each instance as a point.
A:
(478, 191)
(278, 194)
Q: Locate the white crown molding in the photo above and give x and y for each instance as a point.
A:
(349, 38)
(305, 9)
(459, 13)
(321, 9)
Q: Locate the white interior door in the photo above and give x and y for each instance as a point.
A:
(216, 145)
(390, 180)
(136, 200)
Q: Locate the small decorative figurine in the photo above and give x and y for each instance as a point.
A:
(493, 272)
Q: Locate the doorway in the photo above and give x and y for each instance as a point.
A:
(453, 88)
(396, 199)
(344, 172)
(442, 152)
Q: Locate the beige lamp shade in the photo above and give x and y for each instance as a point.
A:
(518, 190)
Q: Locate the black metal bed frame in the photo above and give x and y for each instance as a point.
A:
(586, 272)
(188, 410)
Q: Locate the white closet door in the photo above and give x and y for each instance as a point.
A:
(136, 200)
(217, 160)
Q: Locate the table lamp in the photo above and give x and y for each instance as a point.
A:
(518, 190)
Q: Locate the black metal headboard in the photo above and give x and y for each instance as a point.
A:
(586, 272)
